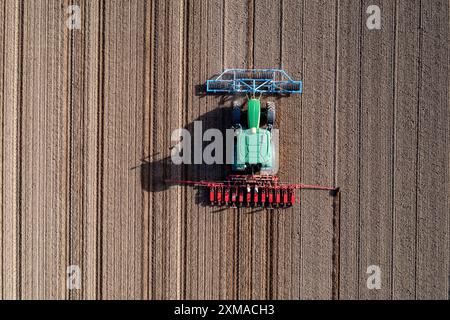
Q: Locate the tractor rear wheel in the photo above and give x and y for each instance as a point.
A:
(270, 113)
(236, 114)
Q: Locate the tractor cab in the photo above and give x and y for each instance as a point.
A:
(254, 149)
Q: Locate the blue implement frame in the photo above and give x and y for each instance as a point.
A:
(268, 81)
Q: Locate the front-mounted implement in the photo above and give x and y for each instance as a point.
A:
(253, 81)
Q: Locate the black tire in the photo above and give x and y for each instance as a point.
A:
(220, 86)
(263, 75)
(290, 86)
(270, 113)
(236, 115)
(254, 75)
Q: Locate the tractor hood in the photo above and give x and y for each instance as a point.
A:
(254, 113)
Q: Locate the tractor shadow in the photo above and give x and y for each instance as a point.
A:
(158, 167)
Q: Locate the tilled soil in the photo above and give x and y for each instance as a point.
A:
(87, 117)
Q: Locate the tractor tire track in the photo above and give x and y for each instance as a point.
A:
(347, 138)
(318, 142)
(405, 164)
(432, 154)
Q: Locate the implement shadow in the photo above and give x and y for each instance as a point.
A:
(155, 169)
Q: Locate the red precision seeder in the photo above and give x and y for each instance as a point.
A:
(251, 191)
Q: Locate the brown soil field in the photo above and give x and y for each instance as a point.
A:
(87, 116)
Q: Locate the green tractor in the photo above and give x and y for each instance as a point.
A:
(253, 182)
(254, 147)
